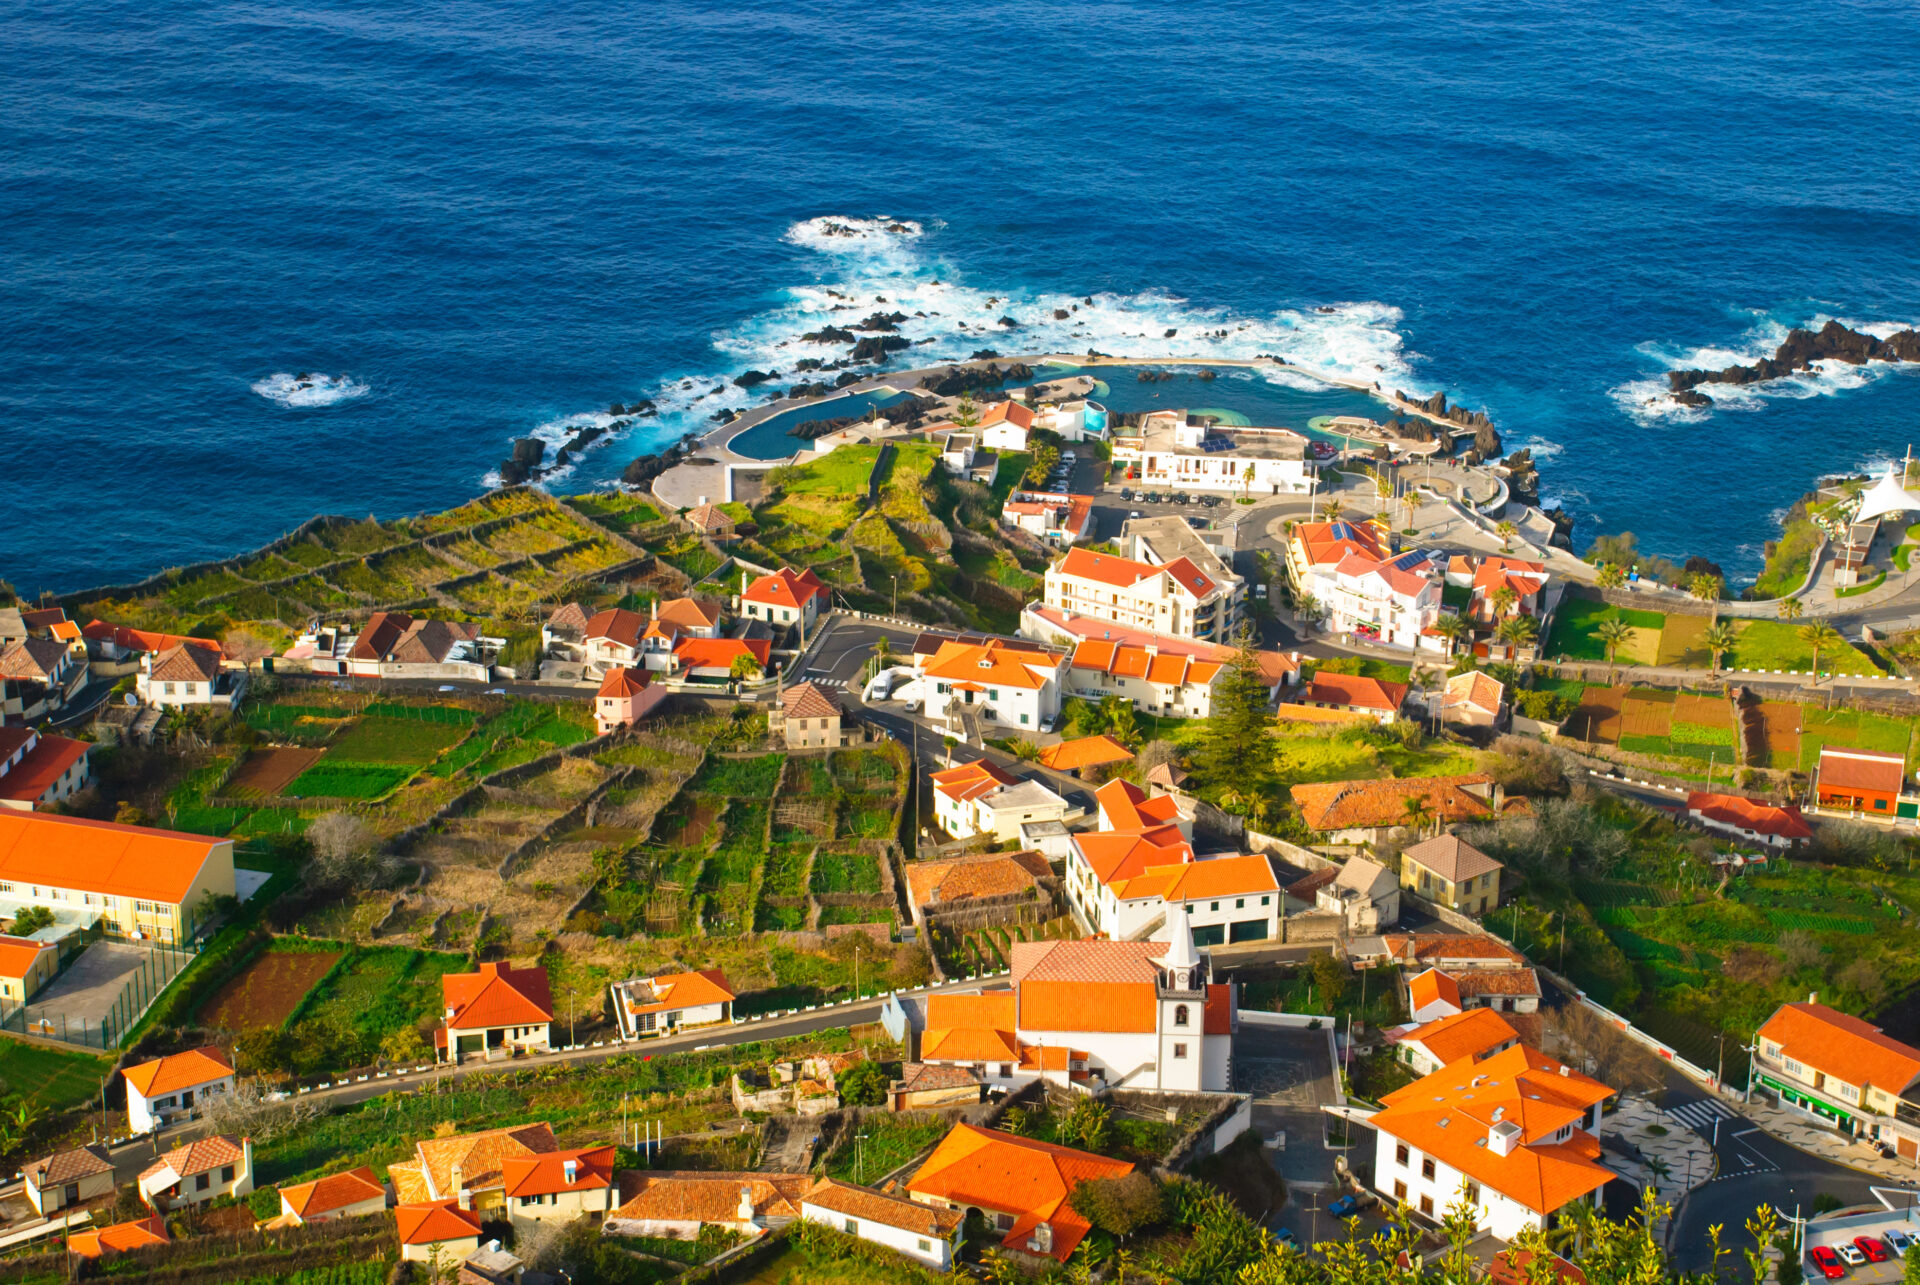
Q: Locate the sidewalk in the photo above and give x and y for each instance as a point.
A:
(1817, 1138)
(1673, 1161)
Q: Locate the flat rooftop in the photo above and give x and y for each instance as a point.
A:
(1247, 443)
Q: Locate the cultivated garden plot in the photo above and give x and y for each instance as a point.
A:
(266, 991)
(1676, 639)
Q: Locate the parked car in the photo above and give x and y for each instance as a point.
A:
(1126, 493)
(1345, 1207)
(1850, 1254)
(1873, 1247)
(1134, 514)
(1827, 1262)
(1285, 1236)
(1197, 522)
(1899, 1241)
(1260, 591)
(1068, 456)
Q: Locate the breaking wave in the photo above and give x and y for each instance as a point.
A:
(307, 389)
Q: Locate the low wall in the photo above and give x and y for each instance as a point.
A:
(1303, 1021)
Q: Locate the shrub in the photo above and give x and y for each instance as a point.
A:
(1120, 1206)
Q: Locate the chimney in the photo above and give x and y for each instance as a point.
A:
(454, 1175)
(703, 501)
(465, 1198)
(491, 969)
(246, 1158)
(1503, 1137)
(745, 1212)
(571, 1168)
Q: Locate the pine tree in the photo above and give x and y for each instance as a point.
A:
(1233, 744)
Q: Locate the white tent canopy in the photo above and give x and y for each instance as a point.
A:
(1887, 496)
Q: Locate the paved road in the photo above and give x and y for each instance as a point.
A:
(1754, 1168)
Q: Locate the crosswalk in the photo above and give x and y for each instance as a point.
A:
(1700, 1116)
(827, 682)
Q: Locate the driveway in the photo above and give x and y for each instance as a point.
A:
(1289, 1071)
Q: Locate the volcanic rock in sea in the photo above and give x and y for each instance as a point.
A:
(1007, 320)
(1486, 440)
(1798, 352)
(953, 381)
(754, 378)
(882, 321)
(876, 347)
(830, 335)
(1061, 314)
(984, 354)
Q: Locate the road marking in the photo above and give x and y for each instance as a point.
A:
(1700, 1116)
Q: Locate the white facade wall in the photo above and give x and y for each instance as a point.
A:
(931, 1250)
(1225, 472)
(1186, 700)
(1751, 836)
(1355, 600)
(144, 1114)
(1014, 707)
(1500, 1216)
(1004, 436)
(1155, 604)
(528, 1212)
(173, 695)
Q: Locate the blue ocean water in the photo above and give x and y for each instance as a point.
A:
(485, 220)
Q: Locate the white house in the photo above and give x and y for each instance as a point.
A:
(1176, 598)
(648, 1006)
(1364, 893)
(1132, 1014)
(394, 644)
(196, 1172)
(1005, 426)
(439, 1231)
(494, 1012)
(923, 1232)
(352, 1194)
(1007, 683)
(1390, 602)
(38, 768)
(1516, 1135)
(1051, 515)
(784, 598)
(558, 1186)
(1749, 819)
(978, 798)
(1158, 673)
(957, 452)
(68, 1179)
(1470, 1035)
(1192, 456)
(174, 1085)
(186, 675)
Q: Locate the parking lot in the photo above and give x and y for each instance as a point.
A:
(1889, 1231)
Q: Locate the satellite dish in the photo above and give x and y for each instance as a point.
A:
(130, 699)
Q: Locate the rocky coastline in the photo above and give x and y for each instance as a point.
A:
(1797, 355)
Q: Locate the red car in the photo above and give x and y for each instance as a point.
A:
(1827, 1261)
(1873, 1247)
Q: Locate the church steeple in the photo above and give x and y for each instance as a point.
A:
(1180, 968)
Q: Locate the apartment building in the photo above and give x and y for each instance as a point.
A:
(1844, 1071)
(126, 880)
(1193, 455)
(1176, 598)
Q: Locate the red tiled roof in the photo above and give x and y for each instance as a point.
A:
(1019, 1176)
(435, 1221)
(889, 1211)
(143, 639)
(617, 625)
(1452, 858)
(1357, 691)
(708, 517)
(809, 700)
(18, 955)
(969, 781)
(1007, 413)
(1432, 948)
(988, 875)
(621, 681)
(995, 663)
(1474, 688)
(183, 664)
(1467, 1034)
(178, 1071)
(546, 1174)
(682, 990)
(1431, 987)
(785, 589)
(1121, 573)
(720, 653)
(687, 613)
(335, 1191)
(1750, 814)
(1852, 769)
(712, 1197)
(201, 1156)
(1128, 807)
(971, 1028)
(1843, 1046)
(497, 995)
(119, 1238)
(1357, 566)
(43, 765)
(1088, 751)
(1330, 542)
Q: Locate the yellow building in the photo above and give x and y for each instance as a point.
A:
(128, 880)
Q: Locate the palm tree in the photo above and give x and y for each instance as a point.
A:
(1025, 750)
(1410, 506)
(1451, 627)
(1612, 632)
(1516, 632)
(1719, 640)
(1333, 509)
(1707, 589)
(1309, 608)
(1820, 636)
(1505, 530)
(1612, 576)
(1505, 599)
(1418, 813)
(1791, 608)
(1246, 481)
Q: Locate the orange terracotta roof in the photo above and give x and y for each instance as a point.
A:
(178, 1071)
(41, 766)
(1234, 876)
(1853, 769)
(1750, 814)
(622, 682)
(1329, 542)
(1121, 573)
(720, 653)
(335, 1191)
(200, 1156)
(497, 995)
(1474, 689)
(970, 780)
(184, 664)
(712, 1197)
(688, 614)
(1524, 578)
(809, 700)
(970, 1028)
(1189, 577)
(1450, 1113)
(1092, 985)
(481, 1157)
(1088, 751)
(1010, 1174)
(100, 856)
(785, 589)
(143, 639)
(1007, 413)
(434, 1222)
(1843, 1047)
(1469, 1034)
(1341, 805)
(617, 625)
(988, 875)
(1218, 1013)
(1357, 691)
(1128, 807)
(708, 517)
(119, 1238)
(889, 1211)
(18, 955)
(546, 1175)
(1432, 987)
(1116, 856)
(682, 990)
(993, 664)
(1399, 580)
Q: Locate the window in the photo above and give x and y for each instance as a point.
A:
(167, 688)
(1400, 1192)
(1400, 1155)
(926, 1246)
(202, 1182)
(1179, 1050)
(853, 1226)
(1240, 903)
(1426, 1168)
(1180, 1015)
(1473, 1193)
(1880, 805)
(1265, 900)
(1216, 905)
(1023, 718)
(1426, 1205)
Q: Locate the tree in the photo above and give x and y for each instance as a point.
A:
(402, 1046)
(1505, 530)
(1309, 609)
(1704, 586)
(1044, 458)
(247, 1111)
(1820, 636)
(965, 413)
(1452, 627)
(1791, 608)
(1517, 631)
(1612, 576)
(1120, 1206)
(1416, 812)
(1505, 599)
(743, 667)
(31, 920)
(1087, 1126)
(1719, 640)
(1234, 740)
(1024, 749)
(1330, 977)
(345, 853)
(1612, 631)
(864, 1084)
(1333, 509)
(1246, 481)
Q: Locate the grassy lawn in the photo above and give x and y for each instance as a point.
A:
(1680, 641)
(1352, 755)
(1367, 667)
(1572, 635)
(753, 778)
(1853, 590)
(890, 1141)
(377, 990)
(846, 872)
(1775, 644)
(395, 740)
(326, 780)
(1850, 728)
(50, 1079)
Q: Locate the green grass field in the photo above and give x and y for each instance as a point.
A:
(50, 1079)
(326, 780)
(376, 990)
(1572, 635)
(842, 472)
(1853, 728)
(1775, 644)
(395, 740)
(845, 872)
(754, 777)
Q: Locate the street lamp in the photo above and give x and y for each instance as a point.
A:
(859, 1158)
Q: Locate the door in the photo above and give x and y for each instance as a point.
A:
(1908, 1149)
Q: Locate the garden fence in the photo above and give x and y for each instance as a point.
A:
(99, 1017)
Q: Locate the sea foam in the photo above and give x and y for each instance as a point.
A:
(307, 389)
